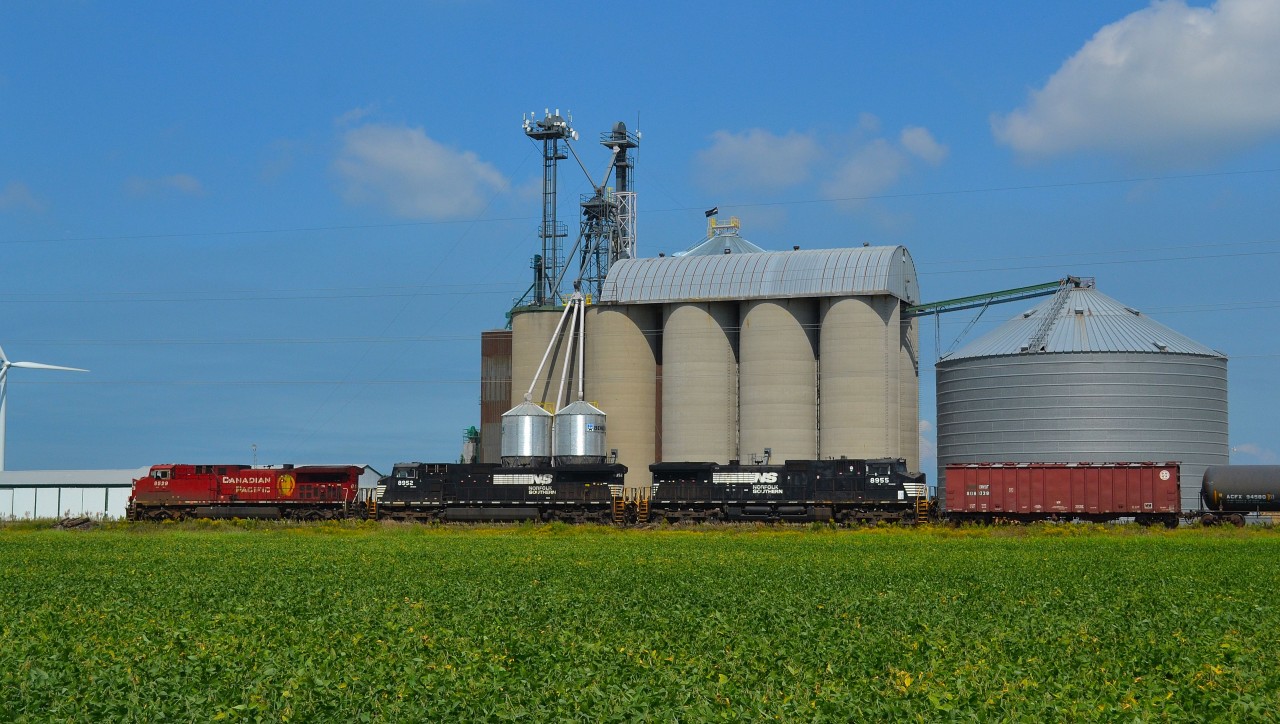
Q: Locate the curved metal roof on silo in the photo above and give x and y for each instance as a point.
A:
(858, 271)
(1089, 321)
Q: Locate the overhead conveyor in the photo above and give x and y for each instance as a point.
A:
(981, 302)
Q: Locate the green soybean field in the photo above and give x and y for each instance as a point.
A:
(366, 622)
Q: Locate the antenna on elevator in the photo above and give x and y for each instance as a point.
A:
(554, 133)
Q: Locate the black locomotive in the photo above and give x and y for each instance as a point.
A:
(842, 491)
(487, 492)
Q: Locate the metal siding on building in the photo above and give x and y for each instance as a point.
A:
(1086, 407)
(778, 379)
(873, 270)
(495, 391)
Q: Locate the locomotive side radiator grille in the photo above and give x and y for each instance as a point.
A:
(916, 490)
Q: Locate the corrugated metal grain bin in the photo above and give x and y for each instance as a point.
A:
(1083, 378)
(1036, 491)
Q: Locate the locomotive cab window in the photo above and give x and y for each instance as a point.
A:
(161, 474)
(406, 473)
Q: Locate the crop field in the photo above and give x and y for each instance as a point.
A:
(359, 622)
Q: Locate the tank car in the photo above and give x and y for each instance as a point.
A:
(448, 492)
(843, 491)
(1028, 492)
(308, 492)
(1232, 491)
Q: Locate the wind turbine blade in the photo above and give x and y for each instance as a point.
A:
(2, 357)
(41, 366)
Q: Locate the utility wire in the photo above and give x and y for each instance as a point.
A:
(643, 212)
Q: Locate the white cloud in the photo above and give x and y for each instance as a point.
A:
(1255, 453)
(756, 159)
(1168, 83)
(921, 144)
(16, 195)
(868, 122)
(355, 115)
(183, 183)
(413, 176)
(869, 171)
(847, 167)
(928, 446)
(283, 153)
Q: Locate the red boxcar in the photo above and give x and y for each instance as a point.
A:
(986, 492)
(309, 492)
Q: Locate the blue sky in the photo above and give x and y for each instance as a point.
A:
(285, 224)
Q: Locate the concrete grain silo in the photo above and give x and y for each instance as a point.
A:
(1083, 378)
(622, 355)
(531, 331)
(802, 352)
(700, 381)
(861, 414)
(909, 390)
(778, 379)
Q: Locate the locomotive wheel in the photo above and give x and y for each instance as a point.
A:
(1237, 520)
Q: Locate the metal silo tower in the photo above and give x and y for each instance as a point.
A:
(551, 131)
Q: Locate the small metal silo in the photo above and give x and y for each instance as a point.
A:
(526, 436)
(579, 435)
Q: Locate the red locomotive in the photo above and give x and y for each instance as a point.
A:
(986, 492)
(308, 492)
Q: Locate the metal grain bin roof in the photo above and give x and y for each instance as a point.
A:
(858, 271)
(1088, 321)
(717, 243)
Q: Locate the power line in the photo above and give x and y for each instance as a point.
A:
(673, 209)
(1103, 252)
